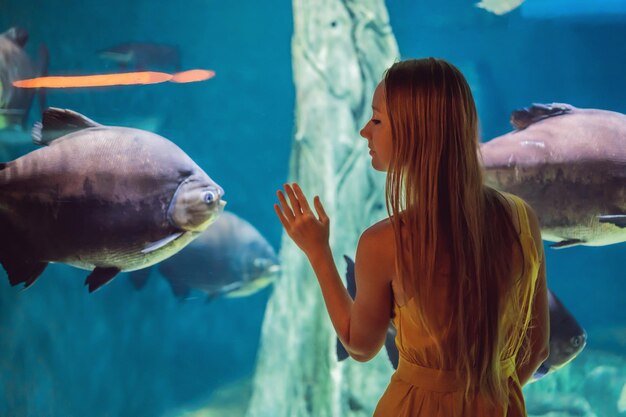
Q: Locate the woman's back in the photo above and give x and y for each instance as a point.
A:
(426, 370)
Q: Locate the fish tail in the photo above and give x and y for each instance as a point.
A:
(19, 269)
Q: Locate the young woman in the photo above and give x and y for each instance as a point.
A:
(457, 265)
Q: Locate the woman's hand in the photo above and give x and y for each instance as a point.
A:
(309, 232)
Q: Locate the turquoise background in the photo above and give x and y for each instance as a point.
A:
(122, 352)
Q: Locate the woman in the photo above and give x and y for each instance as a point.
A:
(457, 265)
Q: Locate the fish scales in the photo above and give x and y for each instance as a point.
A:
(101, 196)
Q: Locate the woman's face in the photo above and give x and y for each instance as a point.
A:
(377, 131)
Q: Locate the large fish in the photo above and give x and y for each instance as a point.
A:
(567, 337)
(99, 197)
(15, 65)
(569, 164)
(231, 257)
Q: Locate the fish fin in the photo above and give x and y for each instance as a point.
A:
(251, 287)
(18, 35)
(390, 339)
(101, 276)
(522, 118)
(540, 372)
(140, 277)
(44, 59)
(22, 271)
(618, 220)
(390, 346)
(342, 353)
(160, 243)
(568, 243)
(59, 122)
(180, 291)
(350, 280)
(236, 290)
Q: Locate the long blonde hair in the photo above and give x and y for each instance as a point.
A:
(436, 198)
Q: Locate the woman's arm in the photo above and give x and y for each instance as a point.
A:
(539, 330)
(361, 325)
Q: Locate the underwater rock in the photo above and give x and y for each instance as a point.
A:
(230, 257)
(569, 164)
(557, 405)
(597, 377)
(604, 388)
(621, 401)
(15, 65)
(99, 197)
(339, 51)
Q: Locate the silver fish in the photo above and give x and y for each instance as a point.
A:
(99, 197)
(569, 164)
(230, 258)
(567, 337)
(15, 65)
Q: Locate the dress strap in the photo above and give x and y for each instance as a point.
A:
(531, 262)
(522, 214)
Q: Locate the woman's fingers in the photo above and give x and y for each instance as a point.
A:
(286, 210)
(295, 204)
(281, 216)
(304, 204)
(320, 209)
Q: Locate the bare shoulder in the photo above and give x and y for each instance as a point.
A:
(380, 235)
(376, 247)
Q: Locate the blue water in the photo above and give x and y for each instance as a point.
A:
(122, 352)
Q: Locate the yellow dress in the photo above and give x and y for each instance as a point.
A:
(421, 386)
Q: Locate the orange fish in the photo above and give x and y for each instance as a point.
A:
(102, 80)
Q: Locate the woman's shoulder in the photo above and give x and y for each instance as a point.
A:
(378, 244)
(379, 230)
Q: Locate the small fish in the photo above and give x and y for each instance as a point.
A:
(567, 337)
(101, 198)
(499, 7)
(143, 55)
(105, 80)
(229, 258)
(15, 64)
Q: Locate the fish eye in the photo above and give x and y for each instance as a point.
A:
(576, 341)
(210, 197)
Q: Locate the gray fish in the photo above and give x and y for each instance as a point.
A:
(99, 197)
(567, 337)
(143, 55)
(390, 339)
(15, 65)
(231, 257)
(569, 164)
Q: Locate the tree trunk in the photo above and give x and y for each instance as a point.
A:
(340, 51)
